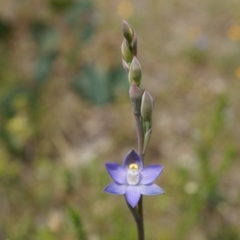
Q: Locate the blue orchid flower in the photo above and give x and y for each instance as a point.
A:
(132, 179)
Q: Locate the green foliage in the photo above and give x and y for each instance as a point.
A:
(5, 30)
(77, 223)
(206, 201)
(59, 5)
(99, 86)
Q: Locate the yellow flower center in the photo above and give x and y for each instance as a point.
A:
(133, 175)
(133, 166)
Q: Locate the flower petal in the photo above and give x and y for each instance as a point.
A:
(150, 173)
(132, 195)
(132, 157)
(115, 188)
(117, 172)
(151, 189)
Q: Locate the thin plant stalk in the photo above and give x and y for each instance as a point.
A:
(140, 223)
(138, 220)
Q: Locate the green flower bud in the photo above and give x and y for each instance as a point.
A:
(135, 72)
(147, 106)
(126, 51)
(127, 31)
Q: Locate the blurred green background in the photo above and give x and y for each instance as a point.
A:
(65, 111)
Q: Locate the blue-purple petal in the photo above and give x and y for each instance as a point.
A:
(132, 195)
(132, 157)
(150, 173)
(117, 172)
(115, 188)
(151, 189)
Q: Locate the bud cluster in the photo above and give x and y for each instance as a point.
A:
(142, 100)
(129, 54)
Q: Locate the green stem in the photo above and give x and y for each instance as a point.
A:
(139, 131)
(141, 223)
(138, 221)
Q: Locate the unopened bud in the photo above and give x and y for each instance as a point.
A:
(135, 72)
(135, 94)
(134, 45)
(147, 106)
(127, 31)
(126, 51)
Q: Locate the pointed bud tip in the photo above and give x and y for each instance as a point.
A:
(125, 25)
(127, 31)
(124, 22)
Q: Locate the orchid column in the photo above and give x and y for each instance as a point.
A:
(131, 178)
